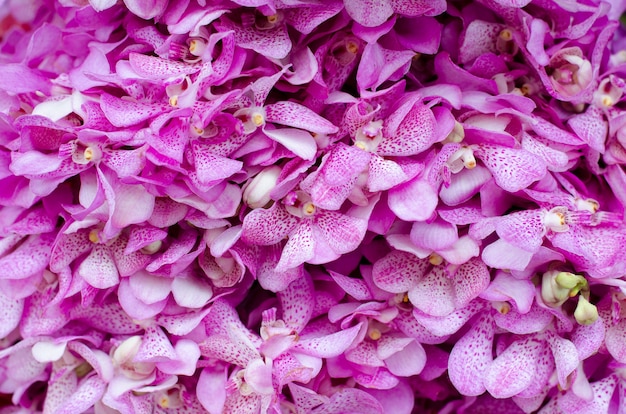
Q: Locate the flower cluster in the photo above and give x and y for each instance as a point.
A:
(305, 206)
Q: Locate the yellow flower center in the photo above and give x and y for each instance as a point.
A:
(88, 154)
(435, 259)
(506, 35)
(309, 209)
(93, 236)
(375, 334)
(352, 47)
(258, 119)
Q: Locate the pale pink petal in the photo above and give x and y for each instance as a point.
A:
(191, 292)
(404, 199)
(407, 362)
(10, 313)
(435, 235)
(565, 356)
(300, 142)
(211, 389)
(503, 255)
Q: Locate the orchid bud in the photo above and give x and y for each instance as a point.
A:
(553, 293)
(586, 313)
(257, 192)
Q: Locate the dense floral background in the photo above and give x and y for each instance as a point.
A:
(312, 206)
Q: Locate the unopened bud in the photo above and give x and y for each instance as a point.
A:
(257, 192)
(586, 313)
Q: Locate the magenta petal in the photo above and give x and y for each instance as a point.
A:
(267, 226)
(504, 287)
(354, 287)
(589, 338)
(146, 9)
(523, 229)
(342, 232)
(565, 357)
(465, 184)
(471, 356)
(616, 341)
(299, 248)
(133, 204)
(29, 258)
(384, 174)
(470, 279)
(602, 394)
(143, 236)
(18, 78)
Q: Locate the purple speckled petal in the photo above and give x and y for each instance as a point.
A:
(330, 345)
(435, 293)
(342, 232)
(398, 271)
(513, 370)
(298, 116)
(29, 258)
(11, 313)
(369, 13)
(150, 67)
(589, 338)
(602, 394)
(300, 247)
(471, 356)
(125, 113)
(297, 302)
(350, 400)
(99, 269)
(565, 356)
(513, 169)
